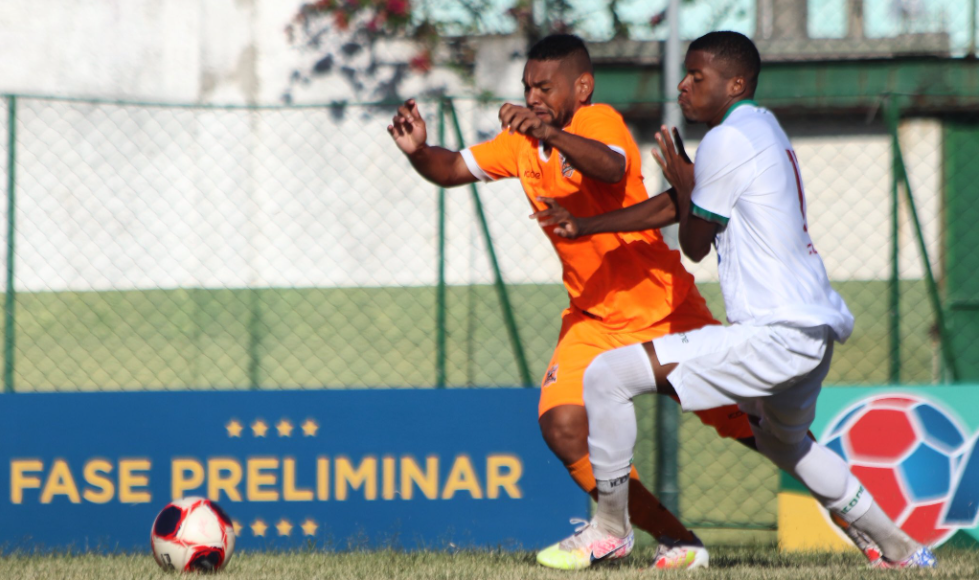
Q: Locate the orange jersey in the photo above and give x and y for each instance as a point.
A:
(626, 281)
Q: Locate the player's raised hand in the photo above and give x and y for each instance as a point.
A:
(566, 225)
(514, 118)
(679, 146)
(676, 165)
(408, 128)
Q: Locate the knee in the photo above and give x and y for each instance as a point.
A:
(596, 382)
(616, 376)
(565, 430)
(784, 454)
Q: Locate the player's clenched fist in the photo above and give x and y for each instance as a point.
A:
(514, 118)
(408, 128)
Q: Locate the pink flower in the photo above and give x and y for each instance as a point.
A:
(421, 62)
(341, 20)
(398, 7)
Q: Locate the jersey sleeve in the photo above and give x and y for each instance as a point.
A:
(723, 170)
(603, 124)
(493, 159)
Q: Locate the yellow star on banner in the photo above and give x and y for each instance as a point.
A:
(309, 527)
(258, 528)
(237, 526)
(259, 428)
(284, 527)
(234, 428)
(284, 427)
(309, 428)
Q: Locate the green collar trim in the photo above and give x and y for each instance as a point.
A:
(738, 104)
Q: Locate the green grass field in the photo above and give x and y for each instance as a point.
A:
(357, 337)
(731, 563)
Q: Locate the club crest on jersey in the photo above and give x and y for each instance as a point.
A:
(550, 377)
(567, 169)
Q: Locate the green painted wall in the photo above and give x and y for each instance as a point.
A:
(927, 84)
(961, 168)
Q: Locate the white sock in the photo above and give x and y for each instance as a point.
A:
(855, 505)
(610, 382)
(893, 542)
(828, 477)
(613, 506)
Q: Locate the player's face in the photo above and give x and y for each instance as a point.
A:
(705, 91)
(549, 91)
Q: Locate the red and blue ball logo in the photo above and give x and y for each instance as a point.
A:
(915, 458)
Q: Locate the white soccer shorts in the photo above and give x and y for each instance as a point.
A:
(773, 373)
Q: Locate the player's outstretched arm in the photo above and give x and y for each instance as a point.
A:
(436, 164)
(592, 158)
(696, 235)
(655, 212)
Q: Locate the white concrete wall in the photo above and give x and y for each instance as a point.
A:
(174, 51)
(113, 197)
(847, 182)
(119, 197)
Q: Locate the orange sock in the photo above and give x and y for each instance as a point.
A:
(645, 511)
(582, 474)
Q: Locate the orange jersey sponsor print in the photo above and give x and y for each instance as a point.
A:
(625, 281)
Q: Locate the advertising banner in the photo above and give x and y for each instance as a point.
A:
(913, 448)
(329, 469)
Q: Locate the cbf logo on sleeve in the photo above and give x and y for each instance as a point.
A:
(915, 458)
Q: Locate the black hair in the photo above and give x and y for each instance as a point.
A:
(562, 47)
(735, 49)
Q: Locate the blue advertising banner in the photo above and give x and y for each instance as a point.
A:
(333, 469)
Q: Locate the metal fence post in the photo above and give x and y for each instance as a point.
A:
(667, 460)
(9, 298)
(440, 315)
(667, 414)
(892, 115)
(508, 318)
(901, 173)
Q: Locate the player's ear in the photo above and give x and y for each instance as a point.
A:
(584, 86)
(737, 86)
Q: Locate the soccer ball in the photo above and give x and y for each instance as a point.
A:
(906, 452)
(192, 534)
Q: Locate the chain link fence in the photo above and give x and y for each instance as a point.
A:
(193, 248)
(179, 247)
(165, 247)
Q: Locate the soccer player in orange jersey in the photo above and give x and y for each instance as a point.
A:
(624, 288)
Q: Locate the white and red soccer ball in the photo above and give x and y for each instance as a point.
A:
(192, 534)
(910, 454)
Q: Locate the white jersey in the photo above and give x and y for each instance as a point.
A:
(748, 181)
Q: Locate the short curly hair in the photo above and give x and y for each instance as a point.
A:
(562, 47)
(736, 50)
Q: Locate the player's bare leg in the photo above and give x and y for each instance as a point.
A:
(565, 430)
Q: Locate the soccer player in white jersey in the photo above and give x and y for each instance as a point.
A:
(744, 195)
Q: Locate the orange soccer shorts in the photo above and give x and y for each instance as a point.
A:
(583, 338)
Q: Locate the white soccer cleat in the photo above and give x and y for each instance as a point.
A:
(587, 546)
(921, 558)
(862, 541)
(673, 555)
